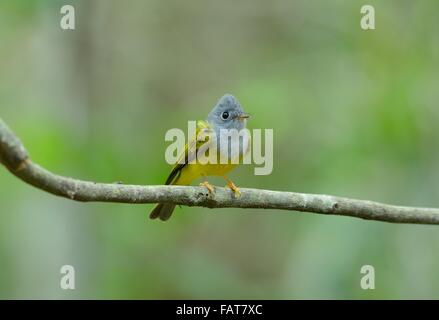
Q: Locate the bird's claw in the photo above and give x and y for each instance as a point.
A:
(234, 188)
(208, 186)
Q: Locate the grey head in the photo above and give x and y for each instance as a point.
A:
(227, 114)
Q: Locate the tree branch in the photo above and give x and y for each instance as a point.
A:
(15, 158)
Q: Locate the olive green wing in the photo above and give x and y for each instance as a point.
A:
(190, 151)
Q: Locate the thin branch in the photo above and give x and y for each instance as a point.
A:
(15, 158)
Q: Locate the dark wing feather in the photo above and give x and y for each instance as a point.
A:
(189, 153)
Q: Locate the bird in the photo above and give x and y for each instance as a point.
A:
(226, 115)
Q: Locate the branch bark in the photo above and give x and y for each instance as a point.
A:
(15, 158)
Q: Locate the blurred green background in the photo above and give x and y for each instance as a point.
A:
(354, 113)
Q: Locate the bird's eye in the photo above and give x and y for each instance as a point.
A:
(225, 115)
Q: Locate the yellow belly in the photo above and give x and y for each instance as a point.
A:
(193, 171)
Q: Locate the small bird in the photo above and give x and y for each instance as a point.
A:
(226, 115)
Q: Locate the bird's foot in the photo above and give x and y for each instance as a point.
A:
(234, 188)
(208, 186)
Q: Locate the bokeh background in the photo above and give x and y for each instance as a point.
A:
(355, 113)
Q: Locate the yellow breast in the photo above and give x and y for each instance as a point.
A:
(196, 170)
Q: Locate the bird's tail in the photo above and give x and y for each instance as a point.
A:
(162, 211)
